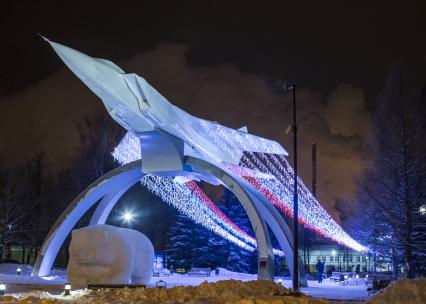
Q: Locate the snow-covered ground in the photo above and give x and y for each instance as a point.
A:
(327, 289)
(55, 282)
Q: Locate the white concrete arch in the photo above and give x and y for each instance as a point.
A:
(229, 180)
(110, 187)
(245, 192)
(77, 208)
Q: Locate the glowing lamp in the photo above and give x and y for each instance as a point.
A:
(422, 209)
(161, 284)
(280, 281)
(67, 289)
(346, 277)
(2, 289)
(366, 276)
(357, 276)
(333, 252)
(18, 271)
(128, 216)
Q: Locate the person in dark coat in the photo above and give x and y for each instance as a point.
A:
(320, 271)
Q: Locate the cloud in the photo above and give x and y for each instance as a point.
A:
(42, 117)
(345, 112)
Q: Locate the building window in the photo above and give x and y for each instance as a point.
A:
(363, 259)
(337, 259)
(331, 259)
(323, 259)
(358, 259)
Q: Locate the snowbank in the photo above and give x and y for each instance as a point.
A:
(402, 292)
(230, 291)
(223, 272)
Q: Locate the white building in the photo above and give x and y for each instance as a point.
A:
(337, 258)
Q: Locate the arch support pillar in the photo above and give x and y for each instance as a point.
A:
(110, 187)
(79, 206)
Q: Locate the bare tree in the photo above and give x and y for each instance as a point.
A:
(13, 211)
(39, 190)
(98, 134)
(393, 188)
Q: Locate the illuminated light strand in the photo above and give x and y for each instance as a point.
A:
(206, 200)
(330, 228)
(312, 214)
(337, 235)
(235, 229)
(184, 201)
(315, 217)
(128, 150)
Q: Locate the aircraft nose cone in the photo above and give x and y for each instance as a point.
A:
(70, 56)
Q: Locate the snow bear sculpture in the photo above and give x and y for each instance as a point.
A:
(104, 254)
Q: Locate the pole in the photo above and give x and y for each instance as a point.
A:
(295, 201)
(314, 169)
(307, 235)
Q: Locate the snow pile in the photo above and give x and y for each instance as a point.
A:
(230, 291)
(223, 292)
(223, 272)
(402, 292)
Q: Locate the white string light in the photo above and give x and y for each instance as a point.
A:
(278, 189)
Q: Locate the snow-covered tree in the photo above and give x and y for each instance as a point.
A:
(192, 245)
(239, 260)
(181, 242)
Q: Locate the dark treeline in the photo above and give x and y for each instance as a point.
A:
(32, 197)
(389, 211)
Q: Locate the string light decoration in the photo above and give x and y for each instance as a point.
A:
(185, 195)
(187, 202)
(269, 173)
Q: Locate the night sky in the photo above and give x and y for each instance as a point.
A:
(217, 60)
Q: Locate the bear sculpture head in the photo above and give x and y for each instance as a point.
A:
(92, 246)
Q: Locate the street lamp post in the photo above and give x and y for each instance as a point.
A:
(292, 87)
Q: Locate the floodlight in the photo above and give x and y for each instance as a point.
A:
(128, 216)
(67, 289)
(422, 209)
(2, 289)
